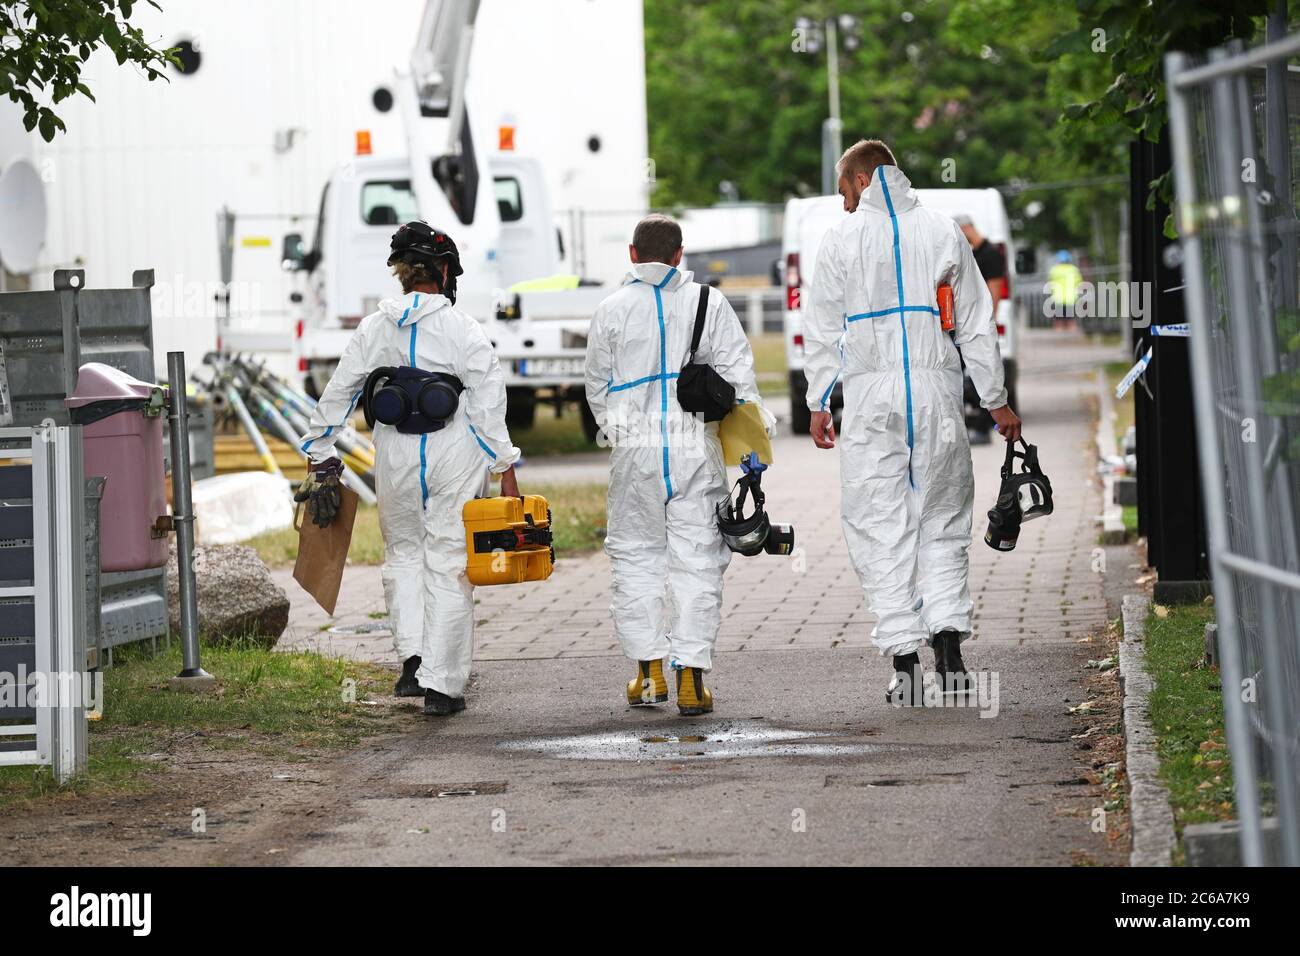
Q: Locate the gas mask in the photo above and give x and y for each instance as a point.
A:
(410, 399)
(753, 534)
(1024, 495)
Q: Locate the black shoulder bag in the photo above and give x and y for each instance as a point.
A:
(700, 389)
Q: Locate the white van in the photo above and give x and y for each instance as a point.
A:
(807, 221)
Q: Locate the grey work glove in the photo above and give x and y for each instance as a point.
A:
(322, 491)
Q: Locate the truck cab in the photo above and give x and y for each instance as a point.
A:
(540, 336)
(495, 206)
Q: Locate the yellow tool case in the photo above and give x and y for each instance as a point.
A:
(508, 540)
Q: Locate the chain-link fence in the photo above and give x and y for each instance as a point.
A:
(1235, 128)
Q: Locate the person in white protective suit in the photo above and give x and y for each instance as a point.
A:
(667, 473)
(423, 480)
(907, 486)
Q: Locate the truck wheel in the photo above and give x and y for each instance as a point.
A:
(800, 415)
(521, 407)
(589, 426)
(309, 386)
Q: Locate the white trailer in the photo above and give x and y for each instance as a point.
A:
(276, 101)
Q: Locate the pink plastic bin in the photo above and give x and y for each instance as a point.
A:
(123, 440)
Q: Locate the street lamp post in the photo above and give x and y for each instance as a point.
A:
(832, 128)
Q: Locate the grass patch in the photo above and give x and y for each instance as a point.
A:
(1187, 715)
(1131, 519)
(578, 511)
(553, 436)
(770, 363)
(269, 703)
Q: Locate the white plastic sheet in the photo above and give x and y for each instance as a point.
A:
(233, 508)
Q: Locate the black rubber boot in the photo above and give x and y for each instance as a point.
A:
(437, 704)
(906, 688)
(407, 685)
(949, 669)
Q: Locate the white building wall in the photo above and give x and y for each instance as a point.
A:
(140, 176)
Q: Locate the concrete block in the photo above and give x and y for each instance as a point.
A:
(1219, 844)
(1126, 490)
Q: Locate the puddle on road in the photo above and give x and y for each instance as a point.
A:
(713, 740)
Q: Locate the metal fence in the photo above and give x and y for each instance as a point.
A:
(1235, 139)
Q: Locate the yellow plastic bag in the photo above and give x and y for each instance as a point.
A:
(743, 431)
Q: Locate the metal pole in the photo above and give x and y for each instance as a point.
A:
(832, 140)
(250, 428)
(1240, 332)
(1216, 508)
(1277, 128)
(68, 745)
(833, 83)
(183, 515)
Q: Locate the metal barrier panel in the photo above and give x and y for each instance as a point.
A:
(51, 730)
(1235, 127)
(45, 338)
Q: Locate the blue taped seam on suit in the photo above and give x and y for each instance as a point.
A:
(663, 377)
(902, 318)
(330, 430)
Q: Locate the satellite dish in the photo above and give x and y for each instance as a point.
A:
(22, 216)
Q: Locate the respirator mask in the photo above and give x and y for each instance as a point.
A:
(1024, 495)
(410, 399)
(756, 533)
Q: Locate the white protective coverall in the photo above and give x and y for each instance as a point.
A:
(666, 468)
(905, 468)
(423, 481)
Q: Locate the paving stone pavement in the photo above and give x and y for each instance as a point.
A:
(1046, 590)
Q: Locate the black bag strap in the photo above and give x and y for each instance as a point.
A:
(699, 319)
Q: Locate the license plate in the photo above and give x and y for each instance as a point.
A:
(537, 368)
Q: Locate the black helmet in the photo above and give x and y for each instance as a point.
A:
(418, 243)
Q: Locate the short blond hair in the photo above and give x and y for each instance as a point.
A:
(863, 157)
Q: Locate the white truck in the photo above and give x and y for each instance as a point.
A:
(807, 221)
(497, 210)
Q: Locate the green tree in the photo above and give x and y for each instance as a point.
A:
(957, 87)
(43, 44)
(1133, 39)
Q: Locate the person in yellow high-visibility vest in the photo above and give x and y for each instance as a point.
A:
(555, 283)
(1063, 281)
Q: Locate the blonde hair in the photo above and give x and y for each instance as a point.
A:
(412, 274)
(863, 157)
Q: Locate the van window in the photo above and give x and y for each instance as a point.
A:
(388, 203)
(510, 199)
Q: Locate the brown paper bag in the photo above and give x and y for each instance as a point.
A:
(322, 552)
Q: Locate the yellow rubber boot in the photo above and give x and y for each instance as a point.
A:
(649, 686)
(693, 698)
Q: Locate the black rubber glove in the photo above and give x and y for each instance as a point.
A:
(323, 492)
